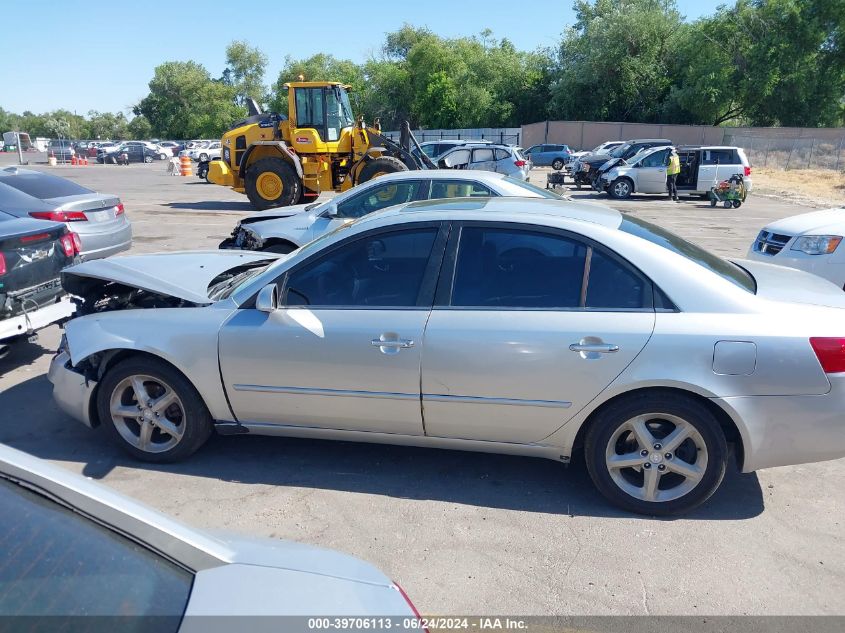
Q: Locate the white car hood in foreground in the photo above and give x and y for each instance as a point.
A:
(184, 275)
(827, 222)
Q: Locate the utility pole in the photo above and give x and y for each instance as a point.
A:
(18, 143)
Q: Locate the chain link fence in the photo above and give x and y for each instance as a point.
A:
(791, 153)
(505, 136)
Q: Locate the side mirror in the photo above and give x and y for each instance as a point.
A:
(267, 299)
(331, 212)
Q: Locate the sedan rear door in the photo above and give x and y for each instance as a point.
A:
(531, 326)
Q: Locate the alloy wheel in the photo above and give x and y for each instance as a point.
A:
(147, 413)
(656, 457)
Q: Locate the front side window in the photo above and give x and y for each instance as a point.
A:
(338, 111)
(59, 563)
(515, 268)
(379, 197)
(459, 189)
(656, 159)
(381, 270)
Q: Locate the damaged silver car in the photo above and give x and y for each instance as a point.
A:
(509, 325)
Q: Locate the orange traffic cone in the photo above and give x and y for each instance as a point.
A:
(85, 161)
(73, 160)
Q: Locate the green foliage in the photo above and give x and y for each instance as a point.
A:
(245, 71)
(139, 128)
(184, 102)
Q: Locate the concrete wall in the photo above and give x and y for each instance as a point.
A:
(587, 134)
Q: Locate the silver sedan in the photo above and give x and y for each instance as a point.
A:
(512, 325)
(72, 547)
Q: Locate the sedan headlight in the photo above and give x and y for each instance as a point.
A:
(816, 244)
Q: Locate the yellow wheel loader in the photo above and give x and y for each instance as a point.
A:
(277, 161)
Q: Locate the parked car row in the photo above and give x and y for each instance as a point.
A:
(45, 223)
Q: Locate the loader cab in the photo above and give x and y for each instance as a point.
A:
(319, 112)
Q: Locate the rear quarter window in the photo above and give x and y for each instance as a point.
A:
(668, 240)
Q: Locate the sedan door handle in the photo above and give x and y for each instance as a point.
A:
(402, 343)
(599, 348)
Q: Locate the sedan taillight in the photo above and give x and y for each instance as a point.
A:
(748, 171)
(77, 243)
(830, 352)
(519, 163)
(2, 264)
(59, 216)
(119, 210)
(67, 245)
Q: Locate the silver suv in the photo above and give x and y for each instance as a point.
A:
(503, 159)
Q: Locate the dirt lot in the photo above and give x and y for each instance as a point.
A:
(817, 187)
(464, 533)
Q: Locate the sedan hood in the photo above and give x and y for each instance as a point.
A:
(594, 159)
(184, 275)
(827, 222)
(275, 214)
(790, 285)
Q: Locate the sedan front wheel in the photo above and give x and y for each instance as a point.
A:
(152, 411)
(658, 454)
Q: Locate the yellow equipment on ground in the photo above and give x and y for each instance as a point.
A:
(277, 161)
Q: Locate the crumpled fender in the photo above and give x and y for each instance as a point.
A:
(184, 337)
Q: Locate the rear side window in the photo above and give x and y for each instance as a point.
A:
(612, 285)
(482, 155)
(57, 562)
(720, 157)
(501, 154)
(458, 189)
(513, 268)
(668, 240)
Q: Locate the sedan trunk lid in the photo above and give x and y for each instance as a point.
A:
(790, 285)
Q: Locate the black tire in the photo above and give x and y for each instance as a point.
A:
(283, 248)
(607, 423)
(196, 421)
(162, 156)
(380, 166)
(727, 204)
(737, 204)
(148, 159)
(291, 185)
(620, 189)
(557, 165)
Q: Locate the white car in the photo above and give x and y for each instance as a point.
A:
(810, 242)
(169, 148)
(205, 151)
(603, 148)
(285, 229)
(702, 167)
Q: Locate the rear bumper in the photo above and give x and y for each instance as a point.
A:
(99, 245)
(71, 390)
(36, 319)
(787, 430)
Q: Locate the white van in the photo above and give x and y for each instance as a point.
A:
(701, 168)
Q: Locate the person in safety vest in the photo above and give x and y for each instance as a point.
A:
(672, 171)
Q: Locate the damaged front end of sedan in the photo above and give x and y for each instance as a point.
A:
(147, 304)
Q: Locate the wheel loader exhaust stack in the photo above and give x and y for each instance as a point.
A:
(278, 161)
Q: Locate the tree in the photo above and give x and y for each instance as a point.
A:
(613, 64)
(139, 128)
(245, 71)
(319, 67)
(184, 102)
(106, 125)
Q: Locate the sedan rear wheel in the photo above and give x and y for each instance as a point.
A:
(659, 455)
(152, 411)
(557, 165)
(620, 188)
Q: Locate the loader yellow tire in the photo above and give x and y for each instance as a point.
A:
(271, 182)
(379, 167)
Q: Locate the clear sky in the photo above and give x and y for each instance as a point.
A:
(99, 55)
